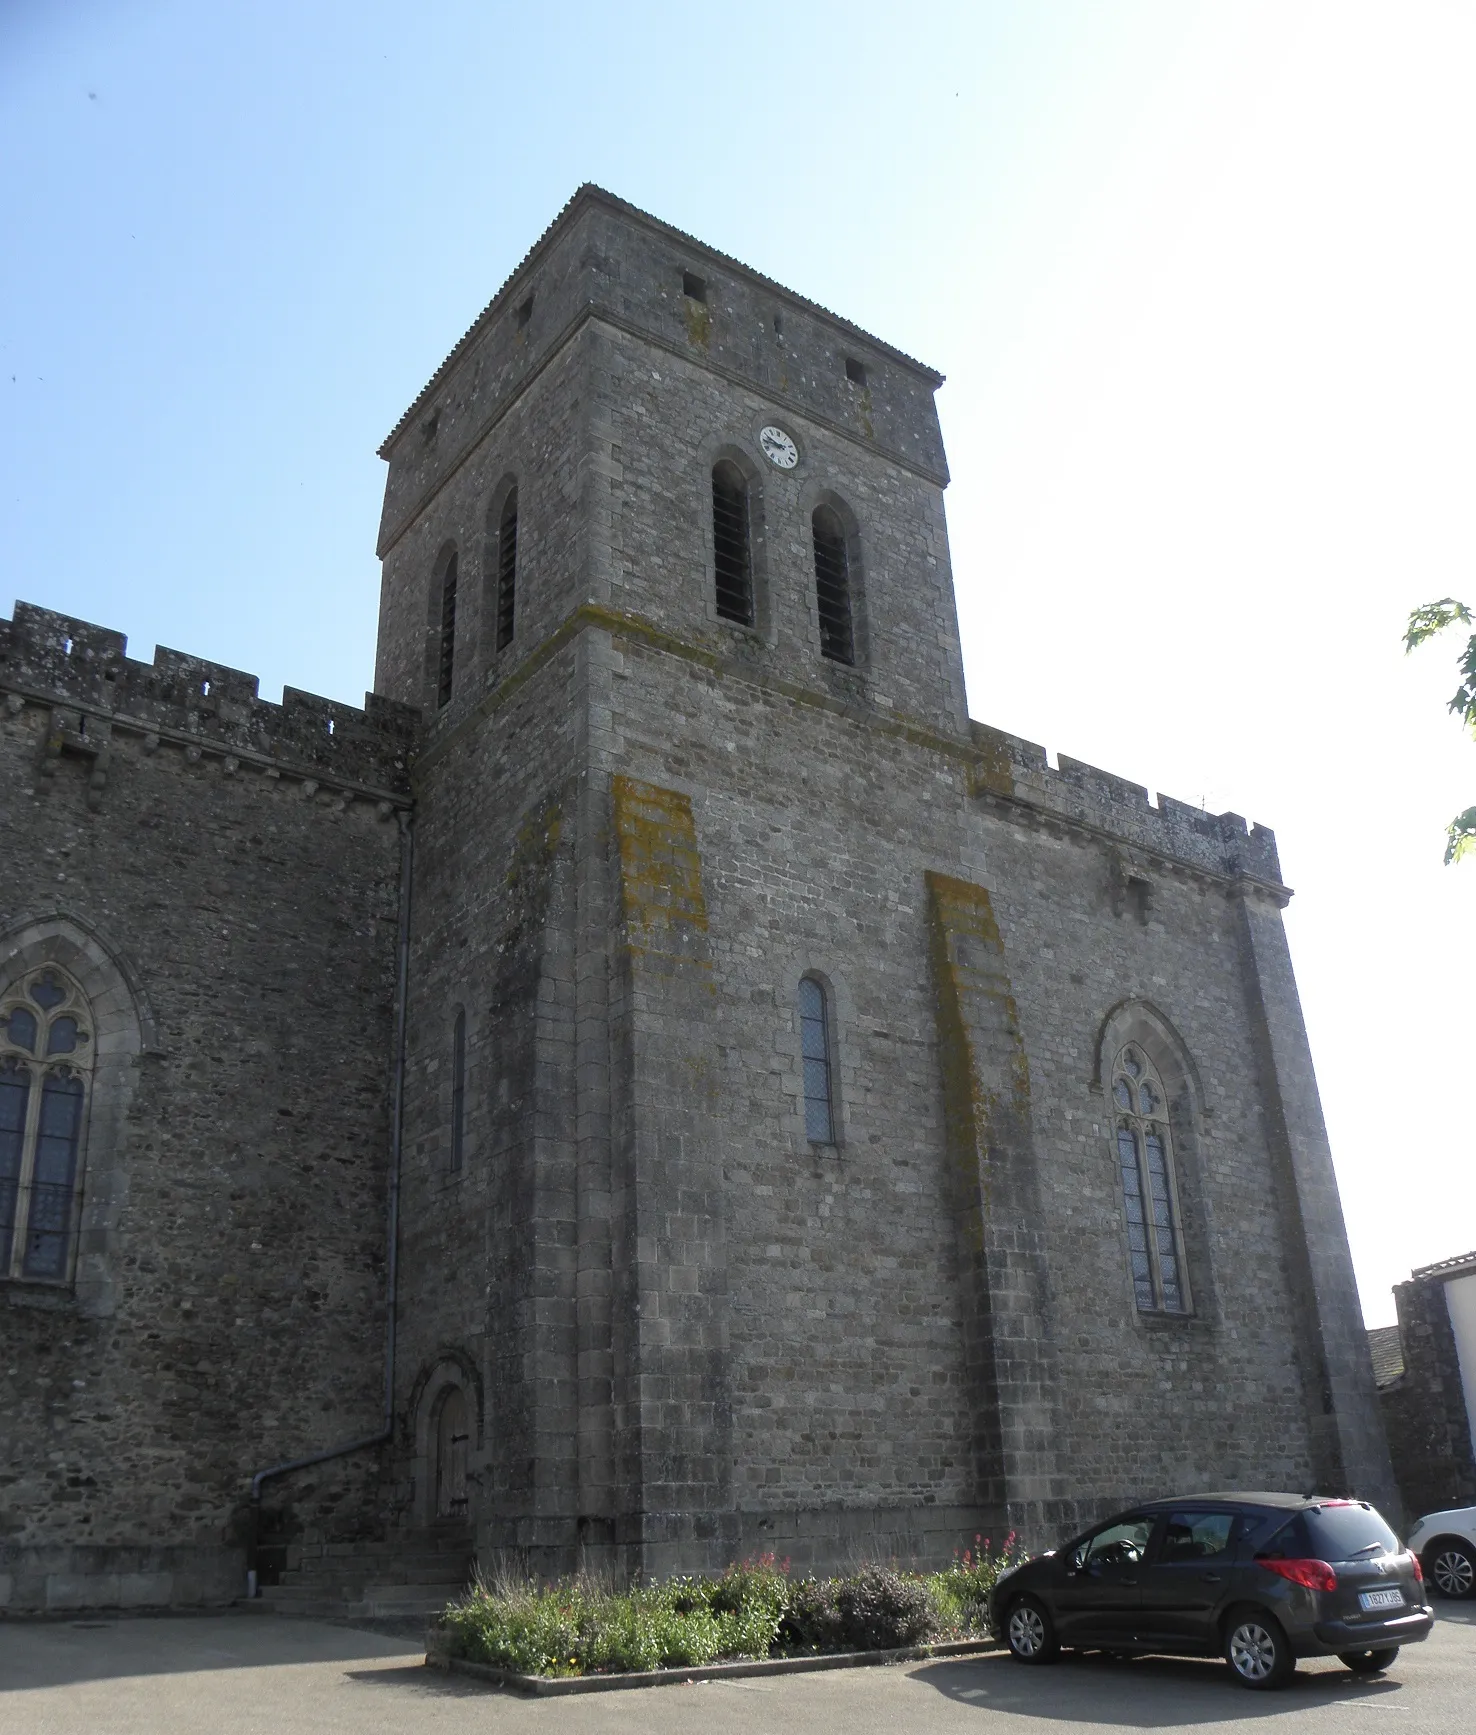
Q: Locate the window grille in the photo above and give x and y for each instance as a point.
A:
(833, 587)
(1145, 1164)
(732, 555)
(458, 1090)
(507, 569)
(815, 1049)
(45, 1066)
(447, 664)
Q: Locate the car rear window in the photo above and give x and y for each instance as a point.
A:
(1332, 1533)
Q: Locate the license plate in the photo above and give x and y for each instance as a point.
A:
(1371, 1599)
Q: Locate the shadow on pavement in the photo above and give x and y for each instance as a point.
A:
(417, 1676)
(1147, 1693)
(61, 1653)
(1462, 1614)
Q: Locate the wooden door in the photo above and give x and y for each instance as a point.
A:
(451, 1443)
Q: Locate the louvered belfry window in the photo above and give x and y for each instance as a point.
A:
(732, 553)
(45, 1069)
(446, 662)
(815, 1051)
(833, 587)
(507, 569)
(1145, 1165)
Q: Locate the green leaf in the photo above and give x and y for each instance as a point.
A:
(1461, 834)
(1432, 618)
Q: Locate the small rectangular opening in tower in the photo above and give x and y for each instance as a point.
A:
(855, 372)
(693, 286)
(524, 312)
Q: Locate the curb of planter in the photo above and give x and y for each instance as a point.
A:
(552, 1687)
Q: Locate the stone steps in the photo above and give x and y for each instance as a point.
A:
(375, 1601)
(413, 1577)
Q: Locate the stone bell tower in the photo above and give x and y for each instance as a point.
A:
(640, 783)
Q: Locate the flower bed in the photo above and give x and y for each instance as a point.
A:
(754, 1610)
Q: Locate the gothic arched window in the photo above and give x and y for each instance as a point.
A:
(1146, 1167)
(732, 552)
(45, 1070)
(815, 1049)
(833, 586)
(446, 655)
(507, 568)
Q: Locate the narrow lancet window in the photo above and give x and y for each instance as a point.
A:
(446, 665)
(732, 554)
(45, 1066)
(833, 587)
(458, 1091)
(507, 569)
(814, 1014)
(1145, 1164)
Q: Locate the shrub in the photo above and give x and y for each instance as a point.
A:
(962, 1590)
(870, 1610)
(578, 1626)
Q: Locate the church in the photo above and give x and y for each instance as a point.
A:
(661, 1083)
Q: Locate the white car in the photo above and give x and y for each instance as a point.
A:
(1446, 1545)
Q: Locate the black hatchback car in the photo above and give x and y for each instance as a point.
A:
(1259, 1579)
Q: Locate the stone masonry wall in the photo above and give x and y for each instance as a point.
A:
(885, 1380)
(233, 868)
(1425, 1408)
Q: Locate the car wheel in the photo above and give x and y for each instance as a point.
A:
(1257, 1651)
(1451, 1568)
(1369, 1662)
(1030, 1633)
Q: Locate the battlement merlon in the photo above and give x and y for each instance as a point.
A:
(76, 665)
(1013, 770)
(606, 260)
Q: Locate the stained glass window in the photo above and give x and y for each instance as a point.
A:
(1145, 1167)
(815, 1049)
(45, 1066)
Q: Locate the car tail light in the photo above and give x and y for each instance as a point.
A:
(1414, 1561)
(1315, 1574)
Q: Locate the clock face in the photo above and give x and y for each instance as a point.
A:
(779, 449)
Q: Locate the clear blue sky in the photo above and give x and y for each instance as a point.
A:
(1201, 277)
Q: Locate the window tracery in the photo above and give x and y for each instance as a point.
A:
(1145, 1167)
(45, 1075)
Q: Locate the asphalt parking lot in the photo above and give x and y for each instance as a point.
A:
(248, 1675)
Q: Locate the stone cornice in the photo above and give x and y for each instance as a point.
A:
(1001, 797)
(593, 314)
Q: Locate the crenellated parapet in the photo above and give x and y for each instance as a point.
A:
(83, 673)
(1016, 773)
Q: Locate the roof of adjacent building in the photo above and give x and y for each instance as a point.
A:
(1457, 1267)
(1387, 1351)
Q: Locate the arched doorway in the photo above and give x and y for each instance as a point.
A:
(451, 1444)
